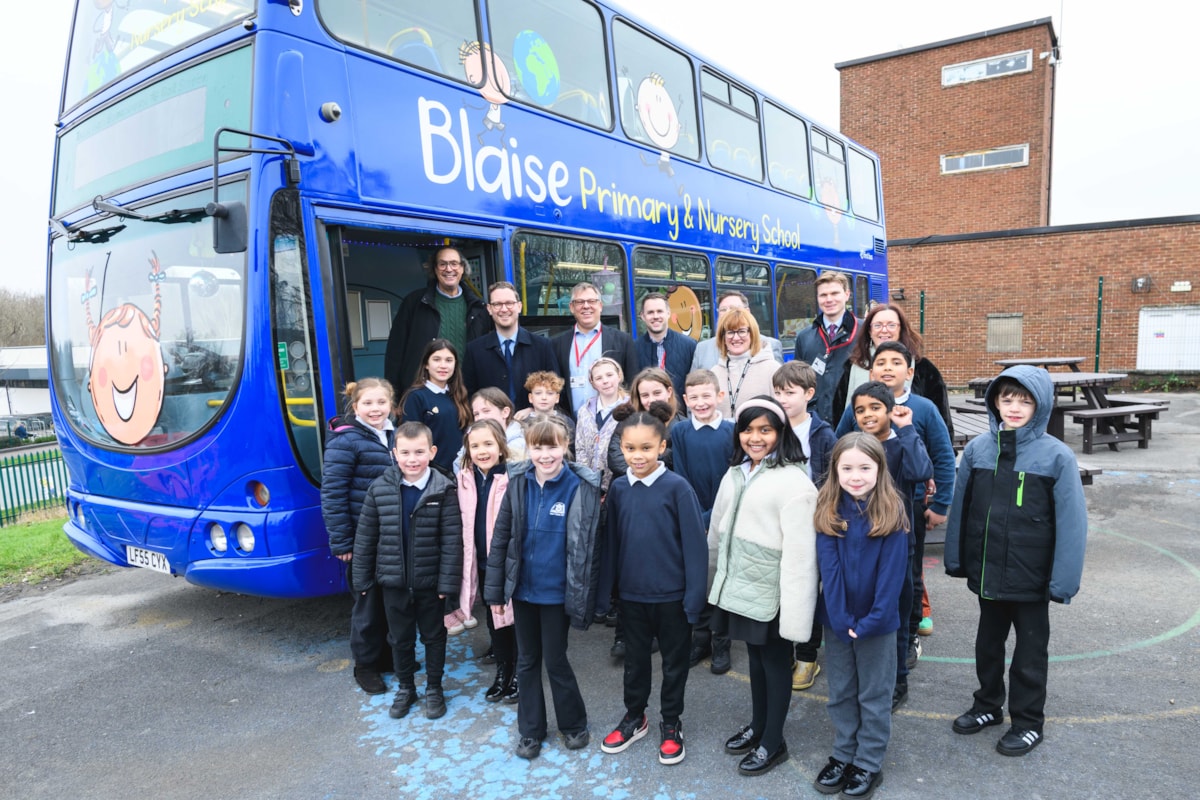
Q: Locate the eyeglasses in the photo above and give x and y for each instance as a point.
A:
(449, 264)
(594, 302)
(738, 333)
(505, 305)
(885, 326)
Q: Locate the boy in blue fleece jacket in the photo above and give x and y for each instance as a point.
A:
(1017, 532)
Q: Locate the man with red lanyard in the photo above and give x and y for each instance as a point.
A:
(827, 343)
(662, 347)
(580, 347)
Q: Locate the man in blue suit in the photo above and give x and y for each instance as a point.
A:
(506, 357)
(662, 347)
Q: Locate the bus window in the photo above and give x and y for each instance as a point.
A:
(795, 301)
(558, 56)
(146, 328)
(753, 279)
(112, 39)
(684, 279)
(787, 151)
(657, 93)
(829, 170)
(546, 267)
(292, 325)
(732, 141)
(862, 186)
(431, 36)
(862, 296)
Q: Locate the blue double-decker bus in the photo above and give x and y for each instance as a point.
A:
(243, 192)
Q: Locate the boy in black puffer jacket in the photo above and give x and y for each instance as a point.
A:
(409, 543)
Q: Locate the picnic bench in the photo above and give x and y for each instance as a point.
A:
(971, 419)
(1116, 423)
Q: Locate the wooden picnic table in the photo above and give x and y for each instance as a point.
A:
(1092, 386)
(1051, 361)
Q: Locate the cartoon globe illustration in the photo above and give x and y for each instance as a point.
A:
(537, 68)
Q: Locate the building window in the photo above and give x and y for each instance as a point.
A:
(984, 68)
(1004, 333)
(996, 158)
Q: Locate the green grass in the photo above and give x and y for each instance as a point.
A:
(35, 550)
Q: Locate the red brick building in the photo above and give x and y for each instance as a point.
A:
(964, 131)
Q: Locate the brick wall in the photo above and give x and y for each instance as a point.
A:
(897, 106)
(1052, 278)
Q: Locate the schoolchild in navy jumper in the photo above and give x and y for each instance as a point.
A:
(657, 554)
(544, 558)
(409, 543)
(438, 400)
(795, 384)
(877, 413)
(863, 556)
(892, 364)
(1017, 533)
(358, 449)
(702, 447)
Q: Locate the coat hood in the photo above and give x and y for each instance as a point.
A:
(1037, 381)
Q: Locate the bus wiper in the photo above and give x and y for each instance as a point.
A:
(98, 236)
(171, 217)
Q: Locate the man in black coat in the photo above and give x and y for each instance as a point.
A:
(444, 309)
(580, 347)
(505, 358)
(662, 347)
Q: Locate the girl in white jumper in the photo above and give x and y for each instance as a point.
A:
(765, 585)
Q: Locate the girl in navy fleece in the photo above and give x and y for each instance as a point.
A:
(862, 563)
(658, 555)
(438, 400)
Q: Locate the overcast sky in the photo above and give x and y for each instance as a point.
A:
(1127, 115)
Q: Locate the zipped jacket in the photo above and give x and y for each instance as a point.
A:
(1017, 529)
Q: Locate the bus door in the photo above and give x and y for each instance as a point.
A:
(370, 263)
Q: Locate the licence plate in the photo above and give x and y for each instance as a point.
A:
(147, 559)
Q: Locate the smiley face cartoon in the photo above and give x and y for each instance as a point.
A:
(685, 312)
(127, 374)
(657, 113)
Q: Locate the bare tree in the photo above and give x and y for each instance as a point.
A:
(22, 319)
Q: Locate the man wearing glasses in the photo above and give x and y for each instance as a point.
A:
(826, 344)
(577, 349)
(505, 358)
(444, 309)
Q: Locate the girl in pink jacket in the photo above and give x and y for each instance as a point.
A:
(481, 484)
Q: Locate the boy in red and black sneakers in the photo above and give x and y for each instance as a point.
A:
(658, 557)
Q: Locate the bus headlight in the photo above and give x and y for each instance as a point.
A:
(217, 539)
(245, 537)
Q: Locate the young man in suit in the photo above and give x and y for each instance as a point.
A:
(504, 359)
(662, 347)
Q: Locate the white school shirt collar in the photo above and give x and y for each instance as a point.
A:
(433, 387)
(715, 423)
(649, 479)
(420, 482)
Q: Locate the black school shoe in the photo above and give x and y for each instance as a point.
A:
(529, 748)
(759, 762)
(974, 721)
(899, 694)
(832, 778)
(1018, 741)
(406, 697)
(369, 680)
(742, 742)
(860, 783)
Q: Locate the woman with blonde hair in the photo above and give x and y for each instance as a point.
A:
(744, 367)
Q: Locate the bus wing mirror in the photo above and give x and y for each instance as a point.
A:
(229, 227)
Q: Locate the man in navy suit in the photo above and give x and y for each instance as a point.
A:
(580, 347)
(662, 347)
(505, 358)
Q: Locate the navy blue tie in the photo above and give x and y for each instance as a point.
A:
(508, 365)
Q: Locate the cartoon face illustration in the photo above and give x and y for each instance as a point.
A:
(685, 312)
(127, 373)
(497, 84)
(656, 111)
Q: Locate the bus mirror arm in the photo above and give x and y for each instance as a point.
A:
(230, 228)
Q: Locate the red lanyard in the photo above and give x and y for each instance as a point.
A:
(847, 343)
(578, 355)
